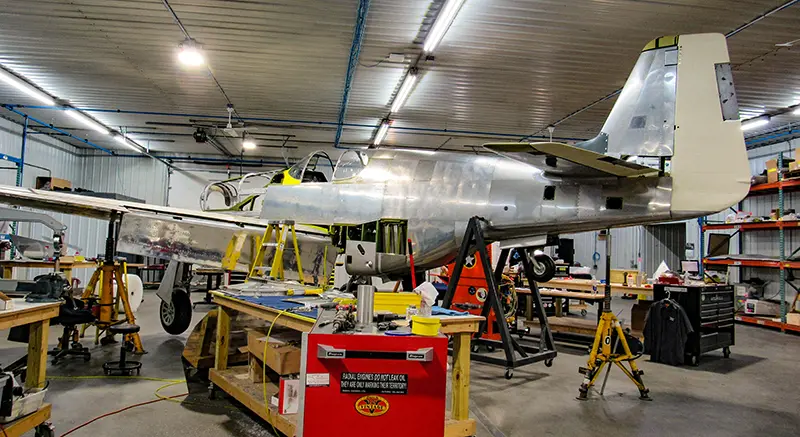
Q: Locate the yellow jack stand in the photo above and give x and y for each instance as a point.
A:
(603, 352)
(106, 274)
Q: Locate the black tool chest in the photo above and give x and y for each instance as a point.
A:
(711, 312)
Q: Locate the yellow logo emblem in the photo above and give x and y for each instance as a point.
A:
(372, 406)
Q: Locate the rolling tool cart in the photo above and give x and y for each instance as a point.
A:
(711, 313)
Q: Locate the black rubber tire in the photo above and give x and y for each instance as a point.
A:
(548, 269)
(181, 312)
(509, 373)
(490, 348)
(726, 352)
(548, 363)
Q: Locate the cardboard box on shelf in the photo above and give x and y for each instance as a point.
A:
(50, 183)
(795, 165)
(772, 170)
(283, 354)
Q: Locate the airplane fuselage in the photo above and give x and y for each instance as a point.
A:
(438, 192)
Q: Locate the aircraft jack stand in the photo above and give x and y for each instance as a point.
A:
(516, 354)
(102, 281)
(603, 353)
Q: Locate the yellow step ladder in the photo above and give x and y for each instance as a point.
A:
(275, 237)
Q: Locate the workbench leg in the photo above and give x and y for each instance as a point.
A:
(8, 272)
(559, 307)
(461, 352)
(67, 274)
(223, 338)
(37, 354)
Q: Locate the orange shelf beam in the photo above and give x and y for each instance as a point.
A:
(772, 187)
(789, 224)
(762, 321)
(753, 263)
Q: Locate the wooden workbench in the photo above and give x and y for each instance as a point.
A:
(38, 316)
(236, 383)
(585, 285)
(65, 267)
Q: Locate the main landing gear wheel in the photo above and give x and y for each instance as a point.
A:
(544, 268)
(176, 316)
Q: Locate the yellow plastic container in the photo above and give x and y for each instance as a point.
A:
(395, 302)
(425, 326)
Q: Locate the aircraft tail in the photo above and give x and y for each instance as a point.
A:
(679, 103)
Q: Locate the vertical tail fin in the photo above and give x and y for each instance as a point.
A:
(679, 103)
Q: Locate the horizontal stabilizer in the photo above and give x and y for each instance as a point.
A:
(569, 161)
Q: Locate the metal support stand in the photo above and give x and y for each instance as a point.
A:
(104, 278)
(603, 353)
(516, 355)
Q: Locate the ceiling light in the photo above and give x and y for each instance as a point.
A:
(405, 90)
(443, 21)
(382, 131)
(87, 121)
(126, 142)
(248, 144)
(191, 55)
(796, 110)
(755, 122)
(26, 88)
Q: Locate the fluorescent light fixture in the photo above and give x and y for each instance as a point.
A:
(382, 131)
(26, 88)
(755, 122)
(127, 143)
(796, 110)
(404, 91)
(87, 121)
(248, 144)
(443, 22)
(190, 54)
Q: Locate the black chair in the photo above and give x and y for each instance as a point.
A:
(71, 314)
(123, 366)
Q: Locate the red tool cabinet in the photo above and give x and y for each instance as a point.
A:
(373, 385)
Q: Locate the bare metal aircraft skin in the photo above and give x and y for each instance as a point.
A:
(652, 162)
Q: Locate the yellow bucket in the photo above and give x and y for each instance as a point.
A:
(426, 326)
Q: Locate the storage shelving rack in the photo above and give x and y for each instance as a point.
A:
(781, 187)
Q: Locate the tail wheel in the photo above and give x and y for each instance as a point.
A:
(544, 268)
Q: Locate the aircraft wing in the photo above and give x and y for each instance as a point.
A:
(197, 237)
(569, 161)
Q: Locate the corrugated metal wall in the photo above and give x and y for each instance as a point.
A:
(665, 243)
(143, 178)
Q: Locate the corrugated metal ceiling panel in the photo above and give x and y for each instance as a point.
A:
(505, 66)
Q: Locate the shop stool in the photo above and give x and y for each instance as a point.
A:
(123, 366)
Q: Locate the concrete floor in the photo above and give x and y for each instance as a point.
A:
(755, 391)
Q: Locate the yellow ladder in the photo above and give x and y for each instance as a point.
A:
(280, 231)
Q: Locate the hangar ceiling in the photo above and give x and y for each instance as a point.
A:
(505, 70)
